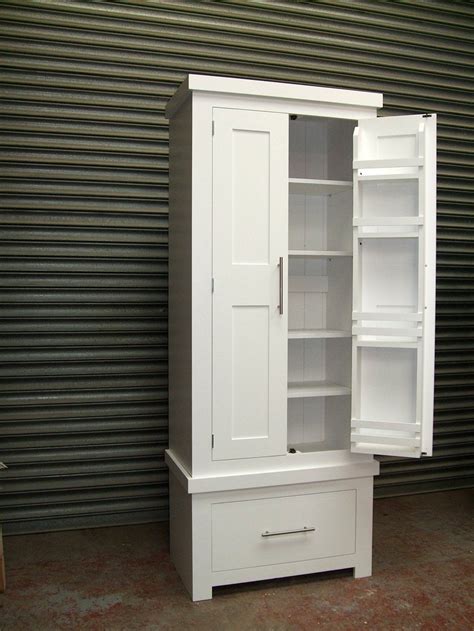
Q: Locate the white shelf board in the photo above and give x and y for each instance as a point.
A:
(310, 389)
(310, 334)
(318, 187)
(319, 253)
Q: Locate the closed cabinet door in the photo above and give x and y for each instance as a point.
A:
(250, 246)
(394, 285)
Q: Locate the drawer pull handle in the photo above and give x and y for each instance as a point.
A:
(277, 533)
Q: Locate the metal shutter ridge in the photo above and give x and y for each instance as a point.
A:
(83, 415)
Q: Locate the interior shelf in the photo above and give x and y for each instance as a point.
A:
(309, 389)
(315, 334)
(319, 253)
(318, 187)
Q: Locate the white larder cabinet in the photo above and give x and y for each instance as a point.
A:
(301, 326)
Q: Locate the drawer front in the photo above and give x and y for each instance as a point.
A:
(258, 532)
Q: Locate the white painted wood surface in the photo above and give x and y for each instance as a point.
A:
(394, 279)
(180, 286)
(261, 384)
(318, 187)
(343, 537)
(308, 334)
(303, 468)
(319, 253)
(307, 389)
(266, 90)
(250, 235)
(315, 525)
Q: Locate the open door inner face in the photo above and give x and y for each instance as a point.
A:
(393, 290)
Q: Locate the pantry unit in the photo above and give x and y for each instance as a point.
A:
(301, 326)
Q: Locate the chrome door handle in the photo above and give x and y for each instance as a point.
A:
(277, 533)
(280, 306)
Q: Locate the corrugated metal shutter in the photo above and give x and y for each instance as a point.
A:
(84, 220)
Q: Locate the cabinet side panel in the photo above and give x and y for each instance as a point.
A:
(180, 278)
(181, 532)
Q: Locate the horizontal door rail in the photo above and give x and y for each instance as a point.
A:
(388, 163)
(394, 332)
(388, 221)
(386, 439)
(389, 317)
(386, 425)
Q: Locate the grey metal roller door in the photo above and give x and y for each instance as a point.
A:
(83, 155)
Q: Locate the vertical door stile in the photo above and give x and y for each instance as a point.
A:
(355, 411)
(421, 270)
(394, 285)
(429, 291)
(250, 256)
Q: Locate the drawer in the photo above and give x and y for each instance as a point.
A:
(259, 532)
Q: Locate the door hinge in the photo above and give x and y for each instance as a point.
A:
(212, 286)
(213, 128)
(212, 441)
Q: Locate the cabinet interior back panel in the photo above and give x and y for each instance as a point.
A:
(308, 148)
(319, 148)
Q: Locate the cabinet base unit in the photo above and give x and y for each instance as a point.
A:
(239, 536)
(301, 331)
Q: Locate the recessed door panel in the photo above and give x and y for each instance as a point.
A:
(250, 244)
(250, 229)
(390, 138)
(250, 392)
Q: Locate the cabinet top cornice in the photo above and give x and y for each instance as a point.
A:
(270, 89)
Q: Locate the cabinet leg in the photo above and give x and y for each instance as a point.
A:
(201, 592)
(363, 570)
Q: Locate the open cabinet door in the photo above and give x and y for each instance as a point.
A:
(394, 285)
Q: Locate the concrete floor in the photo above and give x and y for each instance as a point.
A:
(122, 578)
